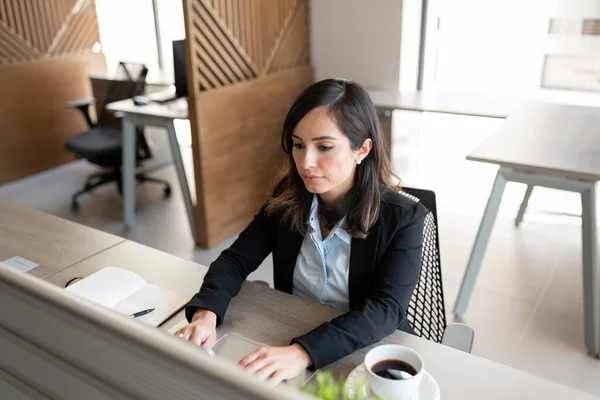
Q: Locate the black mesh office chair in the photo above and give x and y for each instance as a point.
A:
(426, 310)
(101, 144)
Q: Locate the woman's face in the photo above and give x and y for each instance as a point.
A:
(323, 156)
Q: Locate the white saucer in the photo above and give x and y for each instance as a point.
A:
(428, 390)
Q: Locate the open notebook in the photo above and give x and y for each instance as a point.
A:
(126, 292)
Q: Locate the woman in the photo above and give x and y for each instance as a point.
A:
(339, 232)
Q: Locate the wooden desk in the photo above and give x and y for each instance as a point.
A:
(153, 114)
(555, 146)
(53, 243)
(155, 266)
(274, 318)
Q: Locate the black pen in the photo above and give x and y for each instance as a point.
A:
(140, 313)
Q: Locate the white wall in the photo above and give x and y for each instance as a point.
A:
(357, 40)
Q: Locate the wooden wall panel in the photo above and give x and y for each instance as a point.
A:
(45, 59)
(234, 41)
(240, 150)
(35, 122)
(30, 30)
(247, 61)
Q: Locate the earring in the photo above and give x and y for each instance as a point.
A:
(358, 162)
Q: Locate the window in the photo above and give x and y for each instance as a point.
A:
(128, 33)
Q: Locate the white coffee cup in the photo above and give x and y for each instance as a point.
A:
(394, 389)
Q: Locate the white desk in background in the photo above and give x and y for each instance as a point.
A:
(153, 114)
(477, 105)
(555, 146)
(463, 103)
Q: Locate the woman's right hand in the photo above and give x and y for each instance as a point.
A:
(202, 330)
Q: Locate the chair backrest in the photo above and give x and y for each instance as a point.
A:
(106, 91)
(426, 310)
(129, 81)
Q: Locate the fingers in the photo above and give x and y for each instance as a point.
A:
(261, 363)
(199, 335)
(277, 377)
(183, 333)
(266, 371)
(244, 362)
(258, 360)
(273, 364)
(210, 341)
(258, 364)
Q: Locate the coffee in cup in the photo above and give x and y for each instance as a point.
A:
(394, 369)
(394, 372)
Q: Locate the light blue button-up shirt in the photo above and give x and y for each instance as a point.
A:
(321, 272)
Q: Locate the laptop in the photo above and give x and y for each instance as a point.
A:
(234, 347)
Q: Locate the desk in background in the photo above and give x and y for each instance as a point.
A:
(53, 243)
(555, 146)
(447, 103)
(153, 114)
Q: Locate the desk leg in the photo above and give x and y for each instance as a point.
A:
(523, 207)
(481, 240)
(128, 172)
(183, 183)
(591, 273)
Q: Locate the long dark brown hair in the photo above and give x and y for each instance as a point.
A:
(352, 110)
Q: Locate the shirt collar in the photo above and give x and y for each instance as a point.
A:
(341, 232)
(339, 229)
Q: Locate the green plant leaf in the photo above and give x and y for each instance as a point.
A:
(326, 387)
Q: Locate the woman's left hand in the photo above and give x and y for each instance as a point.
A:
(277, 363)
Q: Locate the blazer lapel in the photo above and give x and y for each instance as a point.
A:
(289, 255)
(363, 253)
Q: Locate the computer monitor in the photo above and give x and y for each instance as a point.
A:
(56, 345)
(179, 69)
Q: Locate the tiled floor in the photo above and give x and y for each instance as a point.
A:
(527, 305)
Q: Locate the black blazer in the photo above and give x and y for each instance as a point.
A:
(384, 269)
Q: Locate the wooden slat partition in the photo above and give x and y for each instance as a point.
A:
(45, 59)
(247, 61)
(289, 49)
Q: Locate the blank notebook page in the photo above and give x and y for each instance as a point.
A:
(108, 287)
(127, 293)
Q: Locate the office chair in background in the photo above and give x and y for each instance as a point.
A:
(101, 144)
